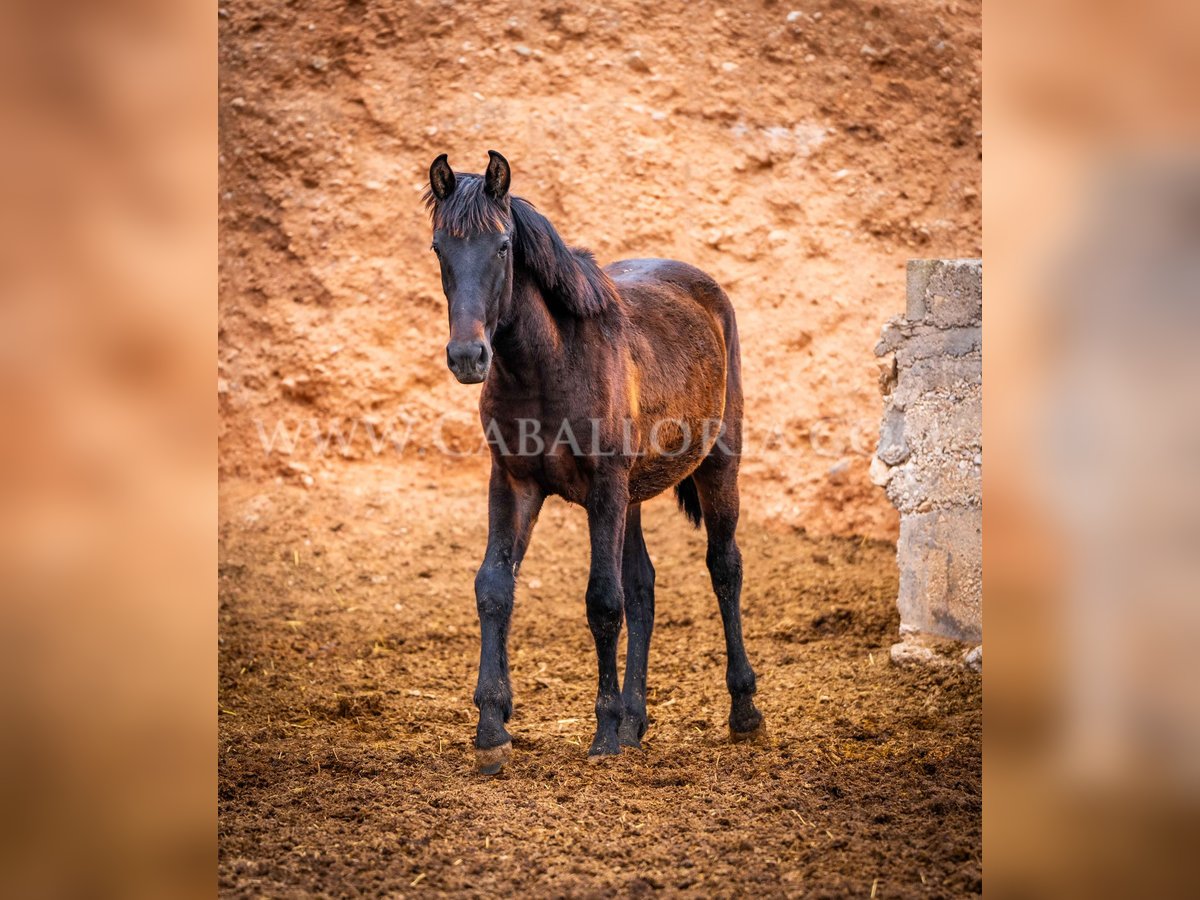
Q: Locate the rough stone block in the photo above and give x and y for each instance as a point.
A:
(918, 274)
(934, 449)
(954, 293)
(940, 554)
(928, 651)
(954, 376)
(931, 342)
(893, 449)
(945, 292)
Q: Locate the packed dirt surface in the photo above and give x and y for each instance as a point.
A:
(799, 153)
(348, 652)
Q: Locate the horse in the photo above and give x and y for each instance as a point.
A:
(638, 365)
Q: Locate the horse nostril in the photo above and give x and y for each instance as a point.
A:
(467, 355)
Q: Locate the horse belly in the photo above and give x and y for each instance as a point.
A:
(679, 405)
(671, 447)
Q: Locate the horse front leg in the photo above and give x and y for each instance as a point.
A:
(512, 510)
(606, 508)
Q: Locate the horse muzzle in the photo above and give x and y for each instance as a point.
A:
(469, 360)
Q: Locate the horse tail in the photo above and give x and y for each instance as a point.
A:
(689, 500)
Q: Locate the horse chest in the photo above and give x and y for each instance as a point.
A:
(531, 449)
(555, 471)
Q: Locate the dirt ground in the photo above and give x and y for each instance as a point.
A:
(348, 652)
(799, 153)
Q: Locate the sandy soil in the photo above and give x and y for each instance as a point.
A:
(800, 154)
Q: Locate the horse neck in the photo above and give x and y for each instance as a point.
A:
(531, 343)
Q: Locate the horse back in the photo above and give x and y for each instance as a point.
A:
(667, 280)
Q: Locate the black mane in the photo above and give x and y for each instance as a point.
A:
(568, 277)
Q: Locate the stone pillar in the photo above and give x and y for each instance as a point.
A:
(930, 459)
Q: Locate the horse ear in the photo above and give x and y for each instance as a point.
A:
(441, 178)
(498, 176)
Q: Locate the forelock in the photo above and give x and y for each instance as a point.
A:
(468, 210)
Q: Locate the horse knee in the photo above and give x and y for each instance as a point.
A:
(605, 606)
(493, 593)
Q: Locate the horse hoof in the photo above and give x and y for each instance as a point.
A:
(492, 760)
(630, 734)
(757, 734)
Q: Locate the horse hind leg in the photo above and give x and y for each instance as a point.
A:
(607, 508)
(637, 581)
(716, 483)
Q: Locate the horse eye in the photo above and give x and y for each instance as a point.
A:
(436, 249)
(503, 251)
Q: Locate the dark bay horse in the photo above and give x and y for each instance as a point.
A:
(605, 387)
